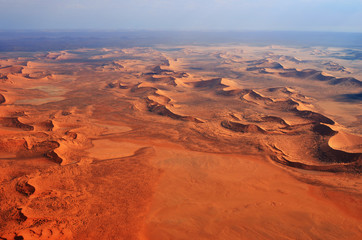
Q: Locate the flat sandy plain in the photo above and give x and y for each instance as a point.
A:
(215, 142)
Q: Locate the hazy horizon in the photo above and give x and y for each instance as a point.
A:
(29, 40)
(124, 30)
(201, 15)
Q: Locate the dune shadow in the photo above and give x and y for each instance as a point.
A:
(353, 97)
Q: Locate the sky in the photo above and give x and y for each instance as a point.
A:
(204, 15)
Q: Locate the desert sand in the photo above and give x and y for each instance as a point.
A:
(194, 142)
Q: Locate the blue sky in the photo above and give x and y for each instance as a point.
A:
(300, 15)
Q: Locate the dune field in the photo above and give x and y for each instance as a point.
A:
(178, 143)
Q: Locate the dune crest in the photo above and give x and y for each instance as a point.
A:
(346, 142)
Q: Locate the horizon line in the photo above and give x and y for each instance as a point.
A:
(173, 30)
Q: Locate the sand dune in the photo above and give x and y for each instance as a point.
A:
(286, 105)
(53, 156)
(287, 58)
(167, 80)
(349, 81)
(333, 66)
(238, 127)
(262, 64)
(113, 66)
(195, 142)
(160, 109)
(140, 90)
(346, 142)
(320, 76)
(233, 92)
(158, 71)
(315, 117)
(323, 130)
(349, 168)
(2, 99)
(15, 123)
(209, 84)
(47, 125)
(254, 96)
(285, 90)
(25, 188)
(275, 119)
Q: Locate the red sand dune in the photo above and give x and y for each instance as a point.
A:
(136, 144)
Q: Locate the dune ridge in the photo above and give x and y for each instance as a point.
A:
(320, 76)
